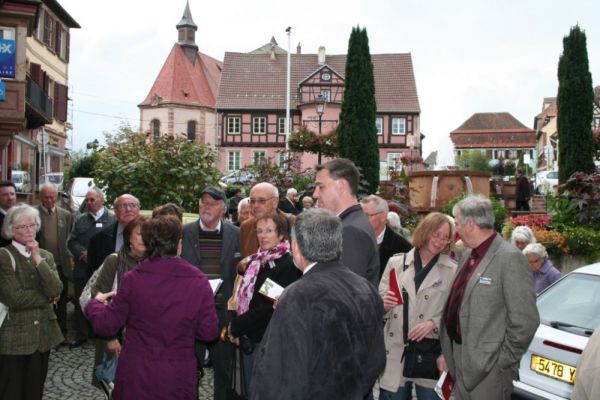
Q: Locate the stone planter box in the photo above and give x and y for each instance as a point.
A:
(432, 190)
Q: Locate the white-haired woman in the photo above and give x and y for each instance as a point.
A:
(29, 283)
(521, 236)
(544, 272)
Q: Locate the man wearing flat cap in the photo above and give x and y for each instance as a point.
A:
(213, 245)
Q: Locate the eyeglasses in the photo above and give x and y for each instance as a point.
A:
(210, 203)
(90, 200)
(266, 231)
(261, 202)
(443, 239)
(128, 206)
(25, 227)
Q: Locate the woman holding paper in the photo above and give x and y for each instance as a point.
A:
(271, 267)
(29, 284)
(425, 274)
(166, 304)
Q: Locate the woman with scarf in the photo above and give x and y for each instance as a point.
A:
(109, 278)
(273, 261)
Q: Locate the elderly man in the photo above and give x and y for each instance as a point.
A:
(243, 211)
(57, 224)
(87, 225)
(490, 316)
(388, 241)
(264, 198)
(290, 205)
(213, 245)
(110, 239)
(8, 198)
(336, 189)
(326, 328)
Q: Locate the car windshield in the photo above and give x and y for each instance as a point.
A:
(17, 178)
(80, 188)
(573, 302)
(56, 179)
(552, 175)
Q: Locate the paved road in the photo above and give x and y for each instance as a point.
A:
(70, 373)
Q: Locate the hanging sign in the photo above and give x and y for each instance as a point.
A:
(2, 91)
(7, 58)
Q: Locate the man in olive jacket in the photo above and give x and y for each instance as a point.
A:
(325, 339)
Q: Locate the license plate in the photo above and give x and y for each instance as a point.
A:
(553, 369)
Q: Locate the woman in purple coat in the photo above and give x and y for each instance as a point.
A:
(164, 303)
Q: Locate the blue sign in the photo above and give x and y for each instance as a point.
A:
(2, 91)
(8, 51)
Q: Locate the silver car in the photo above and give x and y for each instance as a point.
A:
(569, 313)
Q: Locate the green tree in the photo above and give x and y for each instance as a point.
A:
(356, 132)
(475, 160)
(82, 164)
(156, 171)
(575, 107)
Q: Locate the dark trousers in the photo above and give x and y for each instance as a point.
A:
(22, 377)
(522, 205)
(61, 307)
(82, 326)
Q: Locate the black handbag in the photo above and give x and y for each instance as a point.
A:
(420, 358)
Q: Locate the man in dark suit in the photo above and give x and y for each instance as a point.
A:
(8, 198)
(290, 204)
(490, 316)
(213, 245)
(389, 242)
(336, 188)
(110, 239)
(52, 236)
(318, 319)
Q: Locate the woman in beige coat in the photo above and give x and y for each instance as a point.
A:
(427, 279)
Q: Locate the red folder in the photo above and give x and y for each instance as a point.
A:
(444, 386)
(394, 287)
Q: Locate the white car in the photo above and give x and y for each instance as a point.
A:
(546, 182)
(569, 313)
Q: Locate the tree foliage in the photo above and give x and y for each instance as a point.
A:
(305, 140)
(156, 171)
(356, 132)
(475, 160)
(575, 107)
(82, 165)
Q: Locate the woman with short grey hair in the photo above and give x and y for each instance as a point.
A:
(29, 284)
(521, 236)
(544, 272)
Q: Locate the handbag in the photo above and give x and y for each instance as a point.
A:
(420, 358)
(4, 307)
(237, 389)
(86, 293)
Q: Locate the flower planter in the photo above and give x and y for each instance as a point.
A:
(431, 190)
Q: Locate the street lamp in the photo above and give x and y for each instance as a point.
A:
(320, 108)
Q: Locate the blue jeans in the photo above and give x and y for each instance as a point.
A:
(405, 393)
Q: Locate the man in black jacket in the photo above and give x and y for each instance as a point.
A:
(388, 241)
(8, 198)
(290, 204)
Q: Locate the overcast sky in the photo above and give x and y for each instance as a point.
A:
(468, 56)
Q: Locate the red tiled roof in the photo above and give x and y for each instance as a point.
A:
(493, 130)
(254, 81)
(492, 122)
(178, 77)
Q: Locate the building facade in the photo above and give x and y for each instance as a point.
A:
(182, 99)
(38, 144)
(251, 104)
(546, 133)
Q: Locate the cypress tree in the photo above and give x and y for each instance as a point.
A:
(356, 132)
(575, 107)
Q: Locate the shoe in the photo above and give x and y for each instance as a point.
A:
(61, 344)
(77, 343)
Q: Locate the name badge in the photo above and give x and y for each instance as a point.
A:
(98, 224)
(484, 280)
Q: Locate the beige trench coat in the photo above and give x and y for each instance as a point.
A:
(426, 304)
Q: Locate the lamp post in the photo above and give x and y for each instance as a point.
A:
(320, 108)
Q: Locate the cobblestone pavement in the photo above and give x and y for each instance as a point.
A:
(70, 373)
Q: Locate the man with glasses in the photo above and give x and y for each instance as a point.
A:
(110, 239)
(388, 241)
(87, 225)
(213, 245)
(264, 198)
(8, 198)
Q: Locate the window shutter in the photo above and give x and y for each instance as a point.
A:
(35, 72)
(68, 47)
(48, 21)
(60, 101)
(57, 41)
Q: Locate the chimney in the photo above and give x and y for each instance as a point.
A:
(321, 55)
(298, 49)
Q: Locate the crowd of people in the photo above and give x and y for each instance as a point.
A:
(364, 314)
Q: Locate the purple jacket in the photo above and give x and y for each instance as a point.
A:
(545, 276)
(165, 304)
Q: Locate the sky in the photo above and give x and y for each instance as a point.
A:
(468, 56)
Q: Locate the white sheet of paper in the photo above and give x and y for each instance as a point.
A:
(215, 284)
(271, 289)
